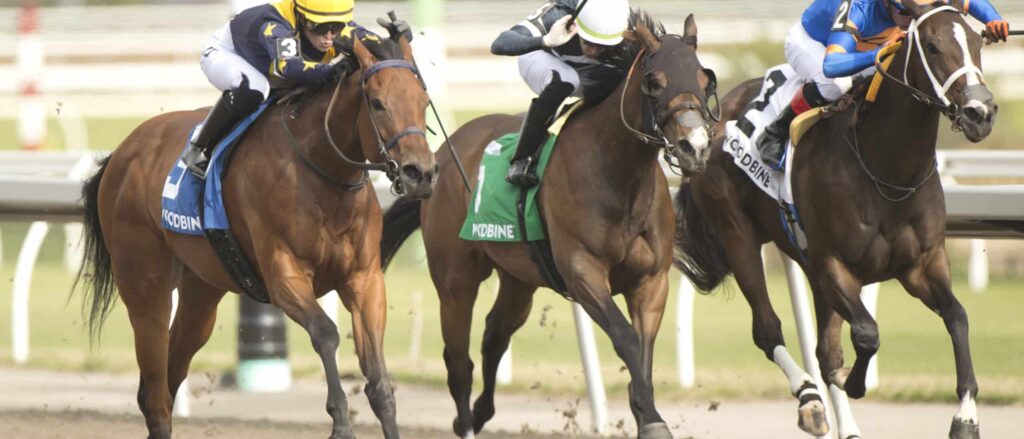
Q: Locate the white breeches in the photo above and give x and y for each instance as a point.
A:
(536, 67)
(807, 57)
(224, 67)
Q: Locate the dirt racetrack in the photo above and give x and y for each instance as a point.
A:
(94, 425)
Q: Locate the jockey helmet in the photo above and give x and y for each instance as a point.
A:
(326, 11)
(603, 21)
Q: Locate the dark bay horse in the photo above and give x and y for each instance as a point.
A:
(872, 207)
(606, 203)
(302, 214)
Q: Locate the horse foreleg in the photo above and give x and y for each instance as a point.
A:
(509, 313)
(839, 288)
(457, 299)
(365, 298)
(646, 306)
(193, 324)
(930, 282)
(830, 361)
(588, 285)
(291, 289)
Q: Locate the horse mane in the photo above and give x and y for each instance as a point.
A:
(640, 18)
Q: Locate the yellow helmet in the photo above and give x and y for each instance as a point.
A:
(326, 11)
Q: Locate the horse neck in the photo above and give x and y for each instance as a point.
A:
(897, 134)
(343, 123)
(615, 157)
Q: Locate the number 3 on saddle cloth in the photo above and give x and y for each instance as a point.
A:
(781, 83)
(193, 206)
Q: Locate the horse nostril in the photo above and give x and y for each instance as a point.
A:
(412, 172)
(974, 114)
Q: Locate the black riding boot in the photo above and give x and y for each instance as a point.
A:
(233, 106)
(773, 140)
(534, 131)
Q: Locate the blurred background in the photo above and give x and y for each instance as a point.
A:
(106, 65)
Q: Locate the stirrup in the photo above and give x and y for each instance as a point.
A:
(196, 161)
(519, 173)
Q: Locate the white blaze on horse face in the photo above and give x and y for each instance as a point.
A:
(844, 416)
(698, 138)
(796, 376)
(961, 38)
(968, 411)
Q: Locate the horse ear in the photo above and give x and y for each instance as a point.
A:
(959, 5)
(690, 32)
(366, 59)
(650, 42)
(406, 46)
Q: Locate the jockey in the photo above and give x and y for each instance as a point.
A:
(284, 43)
(839, 39)
(558, 59)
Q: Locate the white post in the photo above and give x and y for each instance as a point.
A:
(869, 295)
(805, 330)
(182, 404)
(22, 285)
(684, 332)
(977, 266)
(591, 369)
(30, 59)
(431, 56)
(416, 333)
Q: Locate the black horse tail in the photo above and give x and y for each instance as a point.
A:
(400, 221)
(96, 272)
(699, 252)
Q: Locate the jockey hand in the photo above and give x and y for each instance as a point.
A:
(895, 38)
(561, 32)
(997, 30)
(344, 67)
(396, 29)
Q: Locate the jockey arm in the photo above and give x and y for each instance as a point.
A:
(529, 34)
(283, 45)
(841, 55)
(982, 10)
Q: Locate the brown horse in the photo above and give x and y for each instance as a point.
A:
(302, 213)
(606, 203)
(872, 208)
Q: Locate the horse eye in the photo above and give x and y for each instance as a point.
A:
(376, 104)
(932, 48)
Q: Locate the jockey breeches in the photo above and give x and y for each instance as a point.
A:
(536, 67)
(807, 57)
(224, 68)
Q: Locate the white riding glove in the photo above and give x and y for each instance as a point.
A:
(560, 32)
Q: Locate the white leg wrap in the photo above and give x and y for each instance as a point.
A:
(844, 416)
(968, 411)
(796, 376)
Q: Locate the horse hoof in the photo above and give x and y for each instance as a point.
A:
(345, 433)
(839, 376)
(811, 418)
(964, 430)
(655, 430)
(461, 432)
(856, 389)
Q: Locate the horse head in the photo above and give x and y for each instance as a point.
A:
(676, 88)
(394, 114)
(948, 66)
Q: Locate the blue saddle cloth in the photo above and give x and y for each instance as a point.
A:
(180, 208)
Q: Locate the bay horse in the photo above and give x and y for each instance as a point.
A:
(609, 219)
(299, 206)
(872, 208)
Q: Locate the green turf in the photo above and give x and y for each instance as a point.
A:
(916, 358)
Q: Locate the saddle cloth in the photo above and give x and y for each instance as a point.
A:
(492, 212)
(189, 204)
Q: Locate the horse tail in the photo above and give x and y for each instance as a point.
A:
(96, 272)
(400, 221)
(699, 252)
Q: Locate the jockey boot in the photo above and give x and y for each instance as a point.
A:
(534, 131)
(232, 107)
(773, 140)
(772, 144)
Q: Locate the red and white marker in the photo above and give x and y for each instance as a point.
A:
(32, 120)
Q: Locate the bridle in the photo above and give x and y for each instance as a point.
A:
(389, 166)
(657, 137)
(939, 101)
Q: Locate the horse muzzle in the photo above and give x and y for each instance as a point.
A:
(417, 182)
(693, 150)
(977, 115)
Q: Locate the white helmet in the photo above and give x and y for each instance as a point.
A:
(603, 21)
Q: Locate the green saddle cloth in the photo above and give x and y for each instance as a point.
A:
(492, 210)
